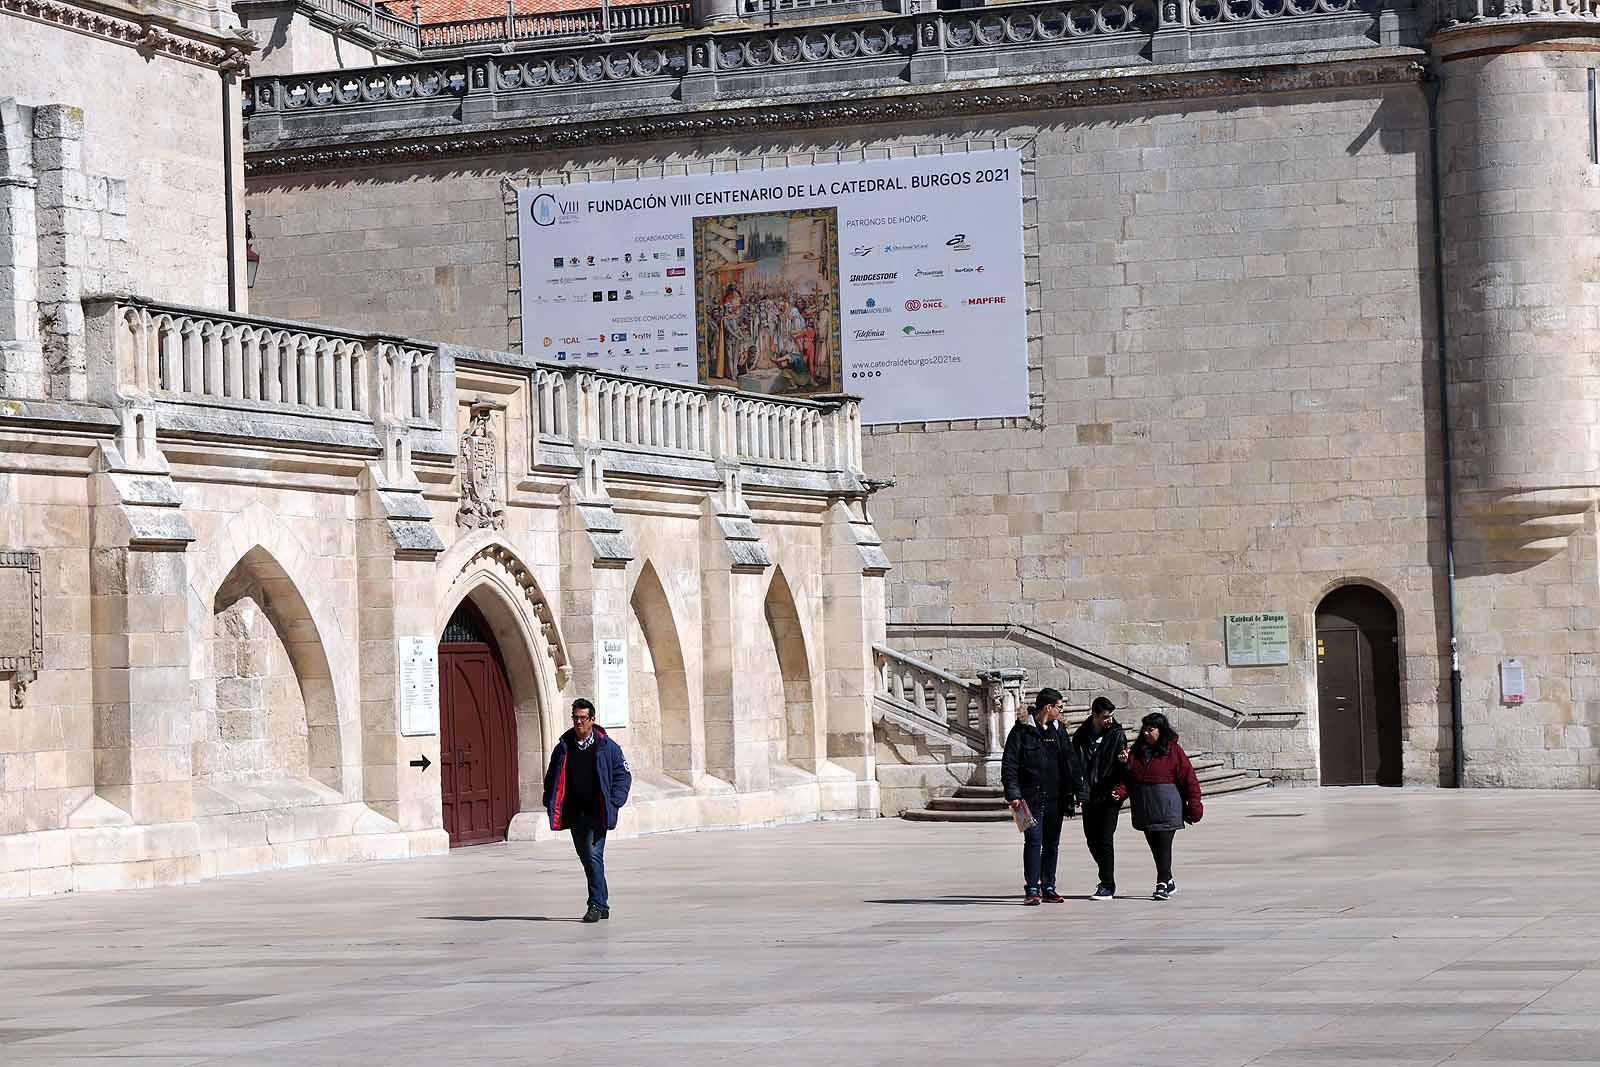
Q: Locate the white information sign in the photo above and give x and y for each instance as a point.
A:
(897, 280)
(418, 660)
(1513, 682)
(611, 684)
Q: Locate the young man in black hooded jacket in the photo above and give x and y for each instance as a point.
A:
(1038, 769)
(1098, 744)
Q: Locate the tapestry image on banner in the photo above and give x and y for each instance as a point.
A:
(767, 301)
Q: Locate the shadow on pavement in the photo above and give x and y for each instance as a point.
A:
(503, 918)
(1012, 899)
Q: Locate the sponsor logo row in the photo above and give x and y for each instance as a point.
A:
(955, 243)
(890, 277)
(574, 262)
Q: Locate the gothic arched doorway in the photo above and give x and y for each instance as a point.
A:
(1358, 688)
(477, 732)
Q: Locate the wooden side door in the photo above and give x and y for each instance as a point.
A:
(477, 745)
(1339, 706)
(1358, 688)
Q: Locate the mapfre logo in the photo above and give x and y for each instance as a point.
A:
(971, 300)
(924, 305)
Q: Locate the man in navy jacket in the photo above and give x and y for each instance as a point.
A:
(588, 781)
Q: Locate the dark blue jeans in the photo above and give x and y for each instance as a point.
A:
(590, 844)
(1040, 845)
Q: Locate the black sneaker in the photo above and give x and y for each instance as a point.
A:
(1160, 892)
(1103, 892)
(593, 915)
(605, 913)
(1172, 889)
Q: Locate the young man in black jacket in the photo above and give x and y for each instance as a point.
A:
(1098, 744)
(1039, 769)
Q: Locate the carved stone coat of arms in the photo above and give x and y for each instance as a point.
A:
(482, 504)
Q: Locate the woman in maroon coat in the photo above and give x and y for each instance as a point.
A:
(1159, 778)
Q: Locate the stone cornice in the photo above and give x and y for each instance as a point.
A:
(1392, 66)
(150, 34)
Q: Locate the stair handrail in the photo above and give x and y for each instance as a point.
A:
(1033, 636)
(971, 691)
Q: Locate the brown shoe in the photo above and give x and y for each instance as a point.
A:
(1031, 901)
(1052, 897)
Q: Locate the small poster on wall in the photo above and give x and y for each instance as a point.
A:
(611, 683)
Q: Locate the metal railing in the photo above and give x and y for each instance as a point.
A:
(373, 17)
(1061, 650)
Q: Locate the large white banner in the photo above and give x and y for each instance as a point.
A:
(898, 280)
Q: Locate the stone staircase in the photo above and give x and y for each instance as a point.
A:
(940, 737)
(986, 803)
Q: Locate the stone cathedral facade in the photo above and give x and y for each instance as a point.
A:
(1311, 320)
(1311, 334)
(276, 593)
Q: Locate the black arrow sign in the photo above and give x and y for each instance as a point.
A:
(424, 763)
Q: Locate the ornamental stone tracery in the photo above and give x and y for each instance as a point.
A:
(504, 561)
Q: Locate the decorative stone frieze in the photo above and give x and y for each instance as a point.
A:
(879, 70)
(151, 36)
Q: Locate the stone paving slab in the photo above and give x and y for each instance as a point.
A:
(1379, 927)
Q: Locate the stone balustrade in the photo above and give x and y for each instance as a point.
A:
(1454, 14)
(214, 370)
(937, 698)
(647, 416)
(214, 358)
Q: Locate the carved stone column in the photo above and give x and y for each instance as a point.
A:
(711, 12)
(1002, 690)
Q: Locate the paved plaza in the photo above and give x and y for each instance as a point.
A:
(1312, 927)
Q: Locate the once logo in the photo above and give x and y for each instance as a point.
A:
(924, 305)
(913, 305)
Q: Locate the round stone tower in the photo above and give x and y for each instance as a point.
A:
(1520, 187)
(1520, 222)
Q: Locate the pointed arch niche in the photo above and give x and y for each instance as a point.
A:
(794, 734)
(505, 594)
(659, 720)
(265, 707)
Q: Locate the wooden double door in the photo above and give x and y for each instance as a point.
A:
(1358, 688)
(477, 738)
